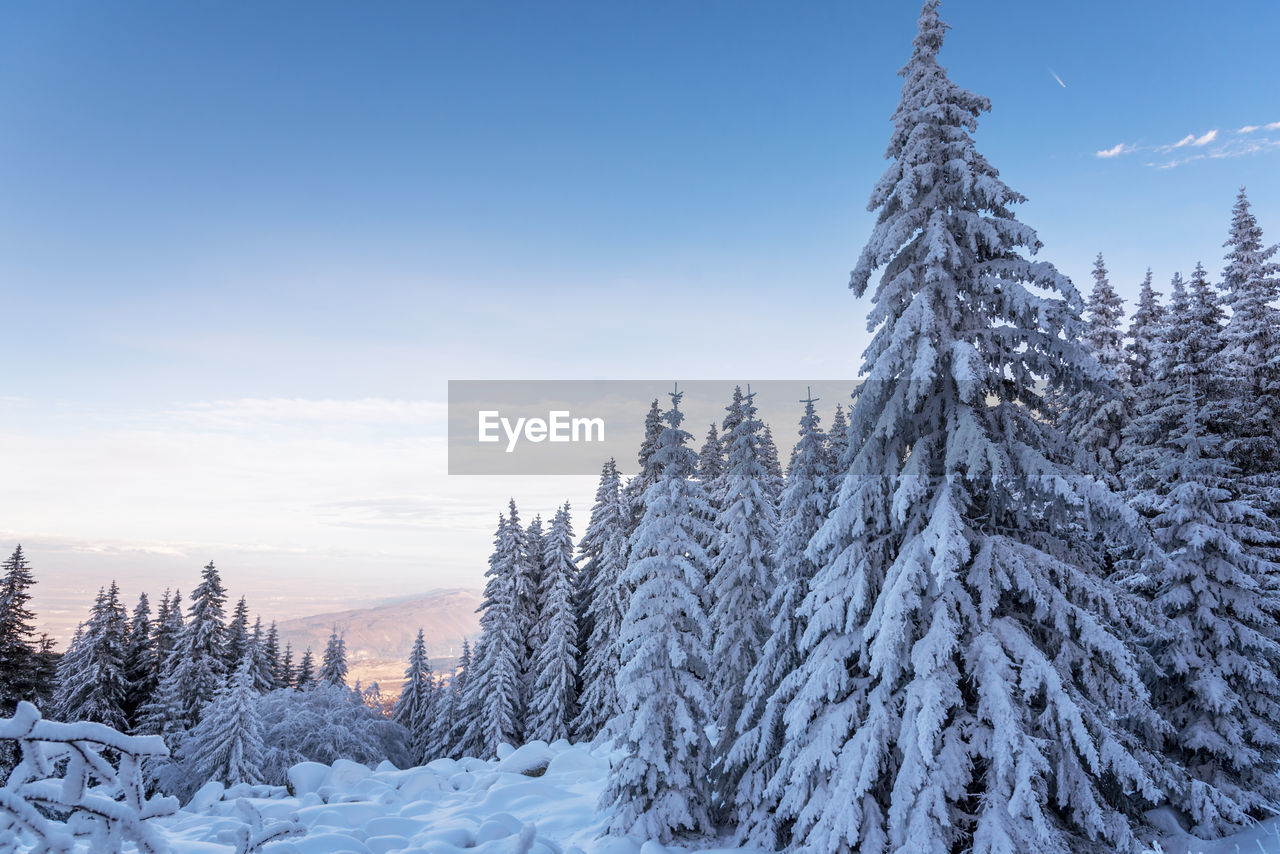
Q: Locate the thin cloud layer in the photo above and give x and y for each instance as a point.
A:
(1210, 145)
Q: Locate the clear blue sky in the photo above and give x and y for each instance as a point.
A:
(239, 228)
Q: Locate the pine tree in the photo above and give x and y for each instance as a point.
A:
(774, 481)
(17, 634)
(91, 681)
(200, 668)
(168, 630)
(1143, 329)
(306, 671)
(140, 667)
(496, 701)
(965, 685)
(162, 713)
(1218, 684)
(838, 446)
(603, 551)
(650, 469)
(333, 665)
(711, 458)
(271, 657)
(740, 585)
(264, 668)
(760, 728)
(554, 697)
(413, 709)
(532, 600)
(1094, 418)
(659, 789)
(1251, 358)
(288, 677)
(227, 743)
(464, 707)
(237, 642)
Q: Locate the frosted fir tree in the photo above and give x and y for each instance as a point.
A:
(1094, 418)
(237, 642)
(414, 705)
(264, 668)
(288, 675)
(532, 604)
(1143, 329)
(1140, 451)
(760, 731)
(306, 671)
(333, 664)
(139, 661)
(18, 649)
(774, 479)
(838, 446)
(1251, 356)
(271, 657)
(711, 461)
(227, 743)
(554, 700)
(741, 582)
(965, 684)
(168, 630)
(603, 551)
(463, 706)
(200, 668)
(650, 468)
(495, 700)
(91, 680)
(659, 790)
(1218, 683)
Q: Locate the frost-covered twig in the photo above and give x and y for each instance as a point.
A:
(91, 798)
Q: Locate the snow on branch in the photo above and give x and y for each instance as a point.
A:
(78, 781)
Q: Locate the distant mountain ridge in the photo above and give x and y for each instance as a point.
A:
(386, 632)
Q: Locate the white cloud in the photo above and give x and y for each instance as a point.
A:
(1114, 151)
(1248, 129)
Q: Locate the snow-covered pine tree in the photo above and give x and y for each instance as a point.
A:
(413, 709)
(1094, 418)
(237, 642)
(201, 654)
(333, 664)
(227, 743)
(1218, 684)
(168, 630)
(139, 661)
(965, 685)
(17, 633)
(603, 552)
(774, 480)
(711, 457)
(463, 707)
(554, 700)
(650, 469)
(532, 605)
(742, 580)
(1140, 452)
(91, 681)
(838, 445)
(1143, 329)
(264, 669)
(287, 675)
(271, 654)
(760, 729)
(494, 699)
(1251, 358)
(306, 671)
(659, 789)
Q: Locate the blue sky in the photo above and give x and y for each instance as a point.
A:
(244, 246)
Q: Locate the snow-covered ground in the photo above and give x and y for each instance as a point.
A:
(537, 799)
